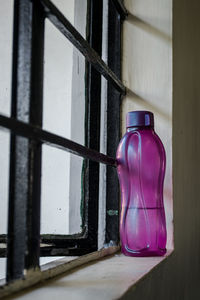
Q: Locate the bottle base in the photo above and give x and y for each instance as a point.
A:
(144, 252)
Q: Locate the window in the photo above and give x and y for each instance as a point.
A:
(102, 113)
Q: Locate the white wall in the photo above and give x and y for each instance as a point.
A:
(63, 115)
(150, 76)
(58, 64)
(78, 119)
(147, 73)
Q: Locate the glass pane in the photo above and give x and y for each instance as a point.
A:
(64, 86)
(61, 192)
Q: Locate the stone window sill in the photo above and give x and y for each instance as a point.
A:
(107, 278)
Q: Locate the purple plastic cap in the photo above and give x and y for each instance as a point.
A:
(139, 118)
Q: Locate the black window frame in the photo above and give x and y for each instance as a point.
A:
(27, 136)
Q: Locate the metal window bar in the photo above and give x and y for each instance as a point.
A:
(113, 124)
(51, 139)
(62, 24)
(93, 107)
(121, 9)
(23, 240)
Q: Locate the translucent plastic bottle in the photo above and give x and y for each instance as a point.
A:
(141, 169)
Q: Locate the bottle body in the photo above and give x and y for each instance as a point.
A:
(141, 169)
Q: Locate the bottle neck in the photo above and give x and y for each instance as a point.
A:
(133, 128)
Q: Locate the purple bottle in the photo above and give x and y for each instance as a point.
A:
(141, 168)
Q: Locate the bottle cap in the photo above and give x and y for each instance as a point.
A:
(139, 118)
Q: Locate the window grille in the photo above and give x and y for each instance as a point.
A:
(27, 136)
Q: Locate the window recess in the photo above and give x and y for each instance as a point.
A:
(24, 244)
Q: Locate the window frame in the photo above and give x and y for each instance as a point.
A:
(27, 137)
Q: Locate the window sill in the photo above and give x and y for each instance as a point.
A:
(108, 278)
